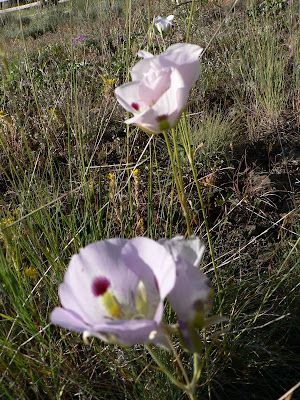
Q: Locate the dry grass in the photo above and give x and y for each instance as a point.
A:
(61, 134)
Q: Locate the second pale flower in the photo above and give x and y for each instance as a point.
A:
(160, 87)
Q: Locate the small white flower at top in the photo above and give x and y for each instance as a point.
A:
(163, 25)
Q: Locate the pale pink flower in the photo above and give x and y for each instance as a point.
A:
(160, 87)
(163, 25)
(187, 254)
(114, 289)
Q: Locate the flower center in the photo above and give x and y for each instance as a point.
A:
(136, 309)
(154, 84)
(112, 306)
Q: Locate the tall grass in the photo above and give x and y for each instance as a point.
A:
(70, 174)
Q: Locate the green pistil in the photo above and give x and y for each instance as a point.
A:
(118, 311)
(141, 303)
(163, 122)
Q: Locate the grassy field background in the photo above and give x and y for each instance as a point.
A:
(71, 172)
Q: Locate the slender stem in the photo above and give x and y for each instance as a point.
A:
(188, 389)
(150, 194)
(127, 63)
(196, 368)
(128, 32)
(165, 370)
(207, 362)
(209, 239)
(179, 363)
(149, 12)
(190, 21)
(178, 181)
(190, 154)
(191, 395)
(177, 157)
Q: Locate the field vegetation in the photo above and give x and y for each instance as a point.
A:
(71, 172)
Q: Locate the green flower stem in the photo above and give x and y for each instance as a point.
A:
(190, 155)
(191, 395)
(128, 34)
(190, 21)
(209, 239)
(198, 366)
(196, 369)
(178, 360)
(178, 180)
(164, 369)
(188, 389)
(127, 63)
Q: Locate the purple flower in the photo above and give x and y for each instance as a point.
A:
(79, 39)
(114, 289)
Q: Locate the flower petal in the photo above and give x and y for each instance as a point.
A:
(173, 101)
(191, 291)
(98, 259)
(144, 54)
(143, 66)
(154, 84)
(152, 263)
(70, 301)
(68, 319)
(190, 249)
(170, 18)
(188, 253)
(185, 57)
(182, 53)
(128, 95)
(127, 332)
(147, 121)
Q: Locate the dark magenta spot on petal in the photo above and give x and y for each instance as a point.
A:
(100, 285)
(135, 106)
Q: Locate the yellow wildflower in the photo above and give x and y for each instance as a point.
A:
(31, 272)
(111, 176)
(6, 221)
(108, 82)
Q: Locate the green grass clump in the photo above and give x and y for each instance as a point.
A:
(66, 179)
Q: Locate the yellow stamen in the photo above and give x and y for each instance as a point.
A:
(141, 303)
(111, 305)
